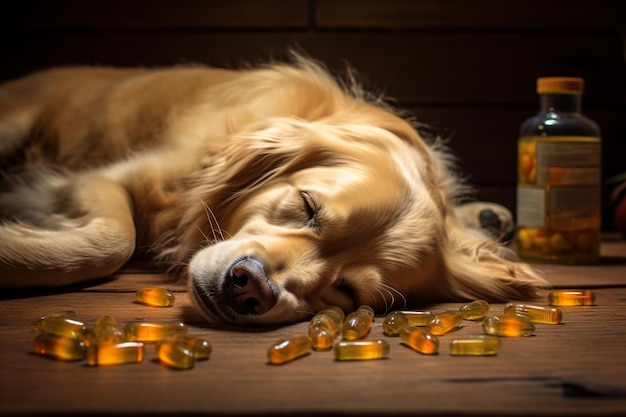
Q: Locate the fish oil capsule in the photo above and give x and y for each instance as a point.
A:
(364, 349)
(175, 355)
(418, 317)
(289, 349)
(116, 354)
(321, 336)
(511, 326)
(474, 310)
(200, 347)
(108, 330)
(59, 325)
(572, 298)
(335, 311)
(394, 322)
(64, 314)
(58, 346)
(536, 314)
(442, 323)
(475, 345)
(156, 297)
(152, 331)
(331, 319)
(420, 340)
(358, 323)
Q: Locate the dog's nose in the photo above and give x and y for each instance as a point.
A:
(248, 289)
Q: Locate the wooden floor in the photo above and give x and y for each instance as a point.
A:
(576, 368)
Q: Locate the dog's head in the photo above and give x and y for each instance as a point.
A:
(311, 214)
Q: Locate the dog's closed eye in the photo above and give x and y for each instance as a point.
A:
(312, 208)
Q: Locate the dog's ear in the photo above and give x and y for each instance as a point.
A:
(479, 267)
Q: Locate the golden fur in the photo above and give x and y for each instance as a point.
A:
(277, 191)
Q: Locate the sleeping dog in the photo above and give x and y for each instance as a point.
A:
(275, 191)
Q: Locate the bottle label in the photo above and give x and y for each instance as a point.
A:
(568, 163)
(565, 193)
(531, 206)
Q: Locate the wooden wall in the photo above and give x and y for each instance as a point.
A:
(467, 68)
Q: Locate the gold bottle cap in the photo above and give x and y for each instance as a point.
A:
(573, 85)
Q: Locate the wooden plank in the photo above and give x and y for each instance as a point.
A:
(525, 378)
(459, 14)
(151, 14)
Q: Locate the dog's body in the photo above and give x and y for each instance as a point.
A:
(276, 190)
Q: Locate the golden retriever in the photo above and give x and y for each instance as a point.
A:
(275, 190)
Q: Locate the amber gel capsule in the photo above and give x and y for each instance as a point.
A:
(156, 297)
(536, 314)
(60, 347)
(363, 349)
(475, 310)
(59, 325)
(394, 322)
(289, 349)
(200, 347)
(358, 323)
(329, 318)
(108, 330)
(321, 336)
(64, 314)
(116, 354)
(419, 317)
(175, 355)
(420, 340)
(443, 322)
(153, 331)
(572, 298)
(475, 345)
(511, 326)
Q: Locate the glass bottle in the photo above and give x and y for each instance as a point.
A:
(559, 178)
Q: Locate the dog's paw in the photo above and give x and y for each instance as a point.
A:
(494, 220)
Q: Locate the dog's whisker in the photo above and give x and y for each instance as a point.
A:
(384, 298)
(390, 289)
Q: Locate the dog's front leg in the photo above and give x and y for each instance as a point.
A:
(64, 231)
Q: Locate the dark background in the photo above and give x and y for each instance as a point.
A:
(467, 68)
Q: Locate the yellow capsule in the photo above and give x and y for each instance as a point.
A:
(321, 336)
(58, 346)
(536, 314)
(419, 317)
(90, 339)
(572, 298)
(64, 314)
(108, 330)
(116, 354)
(152, 331)
(358, 323)
(475, 310)
(289, 349)
(394, 322)
(443, 322)
(156, 297)
(335, 311)
(59, 325)
(175, 355)
(364, 349)
(511, 326)
(420, 340)
(329, 319)
(475, 345)
(201, 348)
